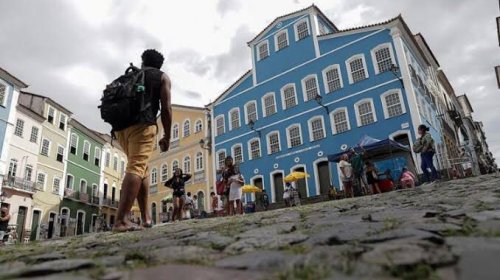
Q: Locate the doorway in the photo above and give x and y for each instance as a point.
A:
(324, 179)
(50, 230)
(153, 212)
(201, 201)
(35, 224)
(258, 183)
(64, 221)
(278, 187)
(402, 139)
(301, 184)
(80, 217)
(21, 221)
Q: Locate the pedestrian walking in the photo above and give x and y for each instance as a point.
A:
(265, 200)
(236, 182)
(346, 175)
(425, 146)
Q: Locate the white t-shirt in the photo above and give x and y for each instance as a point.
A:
(347, 170)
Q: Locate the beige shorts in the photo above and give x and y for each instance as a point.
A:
(137, 142)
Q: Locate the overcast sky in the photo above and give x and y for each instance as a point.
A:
(70, 49)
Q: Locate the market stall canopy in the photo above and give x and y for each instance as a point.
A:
(373, 148)
(295, 176)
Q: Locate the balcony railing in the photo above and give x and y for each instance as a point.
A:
(22, 184)
(94, 200)
(110, 203)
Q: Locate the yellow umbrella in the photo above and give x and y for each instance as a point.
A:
(135, 209)
(250, 189)
(295, 176)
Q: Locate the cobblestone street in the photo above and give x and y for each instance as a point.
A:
(447, 230)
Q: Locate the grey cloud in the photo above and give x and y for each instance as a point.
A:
(191, 60)
(226, 6)
(192, 94)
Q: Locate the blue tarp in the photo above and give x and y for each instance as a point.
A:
(373, 147)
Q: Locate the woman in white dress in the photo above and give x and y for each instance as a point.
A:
(235, 182)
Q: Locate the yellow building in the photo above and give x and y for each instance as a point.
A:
(112, 172)
(189, 128)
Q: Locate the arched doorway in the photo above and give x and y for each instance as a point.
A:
(277, 180)
(323, 176)
(64, 222)
(80, 220)
(153, 212)
(201, 201)
(301, 184)
(52, 219)
(257, 181)
(35, 223)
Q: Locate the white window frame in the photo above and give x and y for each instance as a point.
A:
(233, 154)
(348, 66)
(249, 147)
(196, 158)
(57, 152)
(246, 111)
(268, 143)
(374, 58)
(325, 80)
(358, 117)
(186, 158)
(44, 180)
(77, 140)
(303, 83)
(65, 121)
(154, 179)
(37, 133)
(115, 159)
(197, 122)
(97, 151)
(53, 180)
(276, 39)
(264, 104)
(72, 187)
(48, 150)
(384, 102)
(309, 124)
(174, 161)
(83, 149)
(163, 173)
(259, 58)
(332, 121)
(80, 186)
(282, 91)
(288, 138)
(21, 127)
(218, 165)
(223, 125)
(231, 119)
(296, 32)
(54, 116)
(174, 137)
(188, 121)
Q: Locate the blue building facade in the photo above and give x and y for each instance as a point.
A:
(9, 92)
(315, 90)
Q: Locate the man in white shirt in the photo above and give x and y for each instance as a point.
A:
(346, 175)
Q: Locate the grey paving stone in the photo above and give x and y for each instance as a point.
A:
(261, 260)
(190, 272)
(56, 266)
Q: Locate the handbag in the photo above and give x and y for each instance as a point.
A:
(220, 187)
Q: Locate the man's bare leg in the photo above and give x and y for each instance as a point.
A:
(142, 199)
(130, 188)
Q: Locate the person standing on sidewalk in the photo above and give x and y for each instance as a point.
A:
(425, 146)
(346, 175)
(137, 139)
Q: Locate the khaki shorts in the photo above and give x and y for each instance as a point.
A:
(137, 142)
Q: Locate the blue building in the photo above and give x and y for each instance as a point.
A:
(315, 90)
(9, 92)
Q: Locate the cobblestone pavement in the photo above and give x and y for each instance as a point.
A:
(447, 230)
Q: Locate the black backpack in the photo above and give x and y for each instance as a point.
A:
(123, 101)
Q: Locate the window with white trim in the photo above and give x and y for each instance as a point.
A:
(198, 126)
(40, 180)
(340, 121)
(73, 143)
(175, 165)
(392, 104)
(115, 163)
(3, 94)
(310, 87)
(62, 121)
(12, 168)
(97, 156)
(263, 50)
(51, 115)
(237, 152)
(251, 111)
(175, 131)
(19, 128)
(332, 78)
(317, 129)
(301, 30)
(269, 103)
(357, 69)
(289, 96)
(221, 157)
(107, 159)
(186, 128)
(154, 176)
(45, 147)
(199, 161)
(34, 134)
(122, 167)
(365, 112)
(60, 153)
(382, 58)
(164, 172)
(86, 150)
(187, 164)
(56, 184)
(273, 142)
(69, 181)
(219, 125)
(294, 136)
(281, 40)
(28, 171)
(254, 148)
(234, 118)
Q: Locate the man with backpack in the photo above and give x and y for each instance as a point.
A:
(131, 104)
